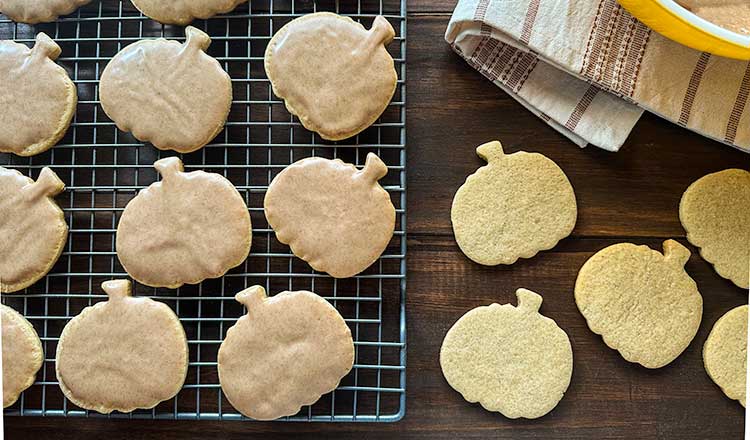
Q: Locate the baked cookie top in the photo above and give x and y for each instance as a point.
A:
(182, 12)
(173, 95)
(38, 97)
(725, 353)
(33, 230)
(38, 11)
(332, 73)
(186, 228)
(22, 354)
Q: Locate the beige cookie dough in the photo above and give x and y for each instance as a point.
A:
(715, 212)
(512, 360)
(182, 12)
(122, 354)
(33, 231)
(38, 98)
(184, 229)
(335, 217)
(513, 207)
(285, 353)
(170, 94)
(22, 354)
(332, 73)
(641, 302)
(725, 353)
(730, 14)
(38, 11)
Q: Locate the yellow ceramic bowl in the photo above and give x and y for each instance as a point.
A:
(677, 23)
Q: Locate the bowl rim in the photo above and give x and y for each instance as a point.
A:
(680, 12)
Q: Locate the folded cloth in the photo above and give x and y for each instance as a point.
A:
(589, 69)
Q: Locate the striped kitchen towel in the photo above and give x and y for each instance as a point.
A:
(589, 69)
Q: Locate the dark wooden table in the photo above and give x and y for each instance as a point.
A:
(628, 196)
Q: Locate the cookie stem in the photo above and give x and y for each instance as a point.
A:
(528, 300)
(169, 166)
(381, 31)
(45, 47)
(196, 38)
(675, 252)
(374, 169)
(491, 151)
(251, 297)
(47, 185)
(116, 289)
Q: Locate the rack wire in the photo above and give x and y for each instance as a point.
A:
(104, 168)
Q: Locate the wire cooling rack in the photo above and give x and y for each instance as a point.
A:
(103, 169)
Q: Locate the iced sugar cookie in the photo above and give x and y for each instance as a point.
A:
(38, 11)
(335, 217)
(170, 94)
(38, 98)
(285, 353)
(22, 354)
(182, 12)
(715, 212)
(643, 303)
(512, 360)
(32, 228)
(332, 73)
(122, 354)
(184, 229)
(725, 353)
(513, 207)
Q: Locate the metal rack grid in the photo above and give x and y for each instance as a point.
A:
(103, 169)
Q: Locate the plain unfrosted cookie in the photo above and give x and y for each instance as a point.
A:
(715, 212)
(38, 98)
(285, 353)
(513, 207)
(38, 11)
(641, 302)
(122, 354)
(33, 231)
(335, 217)
(512, 360)
(184, 229)
(170, 94)
(22, 354)
(332, 73)
(182, 12)
(725, 353)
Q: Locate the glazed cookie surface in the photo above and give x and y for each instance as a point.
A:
(184, 229)
(122, 354)
(513, 207)
(22, 354)
(335, 217)
(285, 353)
(725, 353)
(641, 302)
(715, 212)
(38, 98)
(332, 73)
(33, 230)
(170, 94)
(38, 11)
(182, 12)
(512, 360)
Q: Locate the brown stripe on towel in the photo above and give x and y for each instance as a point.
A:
(481, 10)
(740, 105)
(692, 90)
(632, 65)
(581, 108)
(599, 39)
(528, 22)
(519, 71)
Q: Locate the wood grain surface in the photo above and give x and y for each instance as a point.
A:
(630, 196)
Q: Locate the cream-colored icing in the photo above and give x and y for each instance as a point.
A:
(22, 354)
(730, 14)
(182, 12)
(38, 11)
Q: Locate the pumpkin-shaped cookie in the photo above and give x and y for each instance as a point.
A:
(515, 206)
(38, 11)
(512, 360)
(715, 212)
(170, 94)
(184, 229)
(332, 73)
(32, 228)
(641, 302)
(335, 217)
(38, 98)
(122, 354)
(182, 12)
(285, 353)
(725, 354)
(22, 354)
